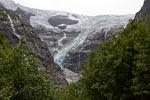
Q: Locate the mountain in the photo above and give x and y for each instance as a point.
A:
(69, 35)
(14, 28)
(144, 12)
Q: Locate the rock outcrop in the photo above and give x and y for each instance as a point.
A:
(59, 19)
(144, 12)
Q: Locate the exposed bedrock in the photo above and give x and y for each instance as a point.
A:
(144, 12)
(59, 19)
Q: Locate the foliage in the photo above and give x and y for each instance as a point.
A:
(20, 78)
(71, 92)
(120, 68)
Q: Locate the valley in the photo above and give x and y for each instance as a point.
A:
(70, 37)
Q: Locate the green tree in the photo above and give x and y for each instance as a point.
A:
(71, 92)
(20, 78)
(120, 68)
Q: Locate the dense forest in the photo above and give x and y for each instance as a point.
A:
(118, 70)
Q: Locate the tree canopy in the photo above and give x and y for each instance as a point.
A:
(120, 68)
(20, 78)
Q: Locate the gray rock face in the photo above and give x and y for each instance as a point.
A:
(79, 55)
(25, 30)
(62, 26)
(55, 40)
(25, 16)
(144, 12)
(59, 19)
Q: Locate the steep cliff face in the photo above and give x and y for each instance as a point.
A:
(15, 25)
(144, 12)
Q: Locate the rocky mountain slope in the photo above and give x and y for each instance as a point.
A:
(14, 28)
(68, 35)
(144, 12)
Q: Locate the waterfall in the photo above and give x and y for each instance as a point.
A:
(12, 26)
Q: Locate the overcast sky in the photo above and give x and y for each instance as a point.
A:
(87, 7)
